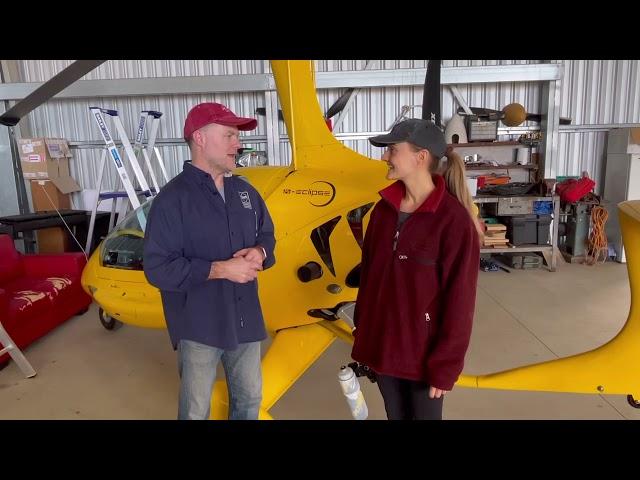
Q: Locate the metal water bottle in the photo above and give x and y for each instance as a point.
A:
(351, 389)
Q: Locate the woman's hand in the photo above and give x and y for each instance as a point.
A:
(436, 392)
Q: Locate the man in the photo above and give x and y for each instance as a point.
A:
(208, 234)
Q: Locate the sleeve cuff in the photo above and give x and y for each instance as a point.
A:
(199, 271)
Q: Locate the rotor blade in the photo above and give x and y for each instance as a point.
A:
(484, 112)
(431, 93)
(499, 115)
(536, 117)
(44, 92)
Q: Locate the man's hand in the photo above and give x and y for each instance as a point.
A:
(252, 254)
(239, 270)
(436, 392)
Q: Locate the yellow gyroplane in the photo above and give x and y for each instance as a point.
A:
(320, 206)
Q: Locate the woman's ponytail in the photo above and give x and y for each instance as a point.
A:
(456, 181)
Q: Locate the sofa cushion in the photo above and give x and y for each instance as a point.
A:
(27, 304)
(25, 283)
(60, 287)
(10, 261)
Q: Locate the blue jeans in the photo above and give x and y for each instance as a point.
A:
(197, 365)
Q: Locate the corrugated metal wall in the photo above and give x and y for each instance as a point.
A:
(70, 119)
(376, 108)
(41, 70)
(593, 92)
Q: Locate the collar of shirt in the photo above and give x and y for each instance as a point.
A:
(195, 173)
(204, 178)
(395, 192)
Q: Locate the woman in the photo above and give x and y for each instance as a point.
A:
(420, 265)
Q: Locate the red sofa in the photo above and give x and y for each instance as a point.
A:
(38, 292)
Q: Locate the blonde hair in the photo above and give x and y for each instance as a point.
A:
(455, 180)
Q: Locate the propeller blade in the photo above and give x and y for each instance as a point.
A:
(339, 104)
(263, 112)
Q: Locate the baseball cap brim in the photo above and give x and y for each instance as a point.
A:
(242, 123)
(387, 139)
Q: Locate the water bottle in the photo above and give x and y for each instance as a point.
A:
(351, 389)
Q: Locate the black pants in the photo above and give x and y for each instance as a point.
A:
(408, 399)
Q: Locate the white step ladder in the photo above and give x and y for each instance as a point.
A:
(15, 353)
(112, 151)
(153, 117)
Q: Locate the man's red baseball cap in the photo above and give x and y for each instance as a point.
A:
(206, 113)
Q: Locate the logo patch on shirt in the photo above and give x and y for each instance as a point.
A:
(246, 201)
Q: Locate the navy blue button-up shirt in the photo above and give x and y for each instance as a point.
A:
(189, 227)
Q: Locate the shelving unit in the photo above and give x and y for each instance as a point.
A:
(511, 143)
(515, 166)
(549, 252)
(502, 154)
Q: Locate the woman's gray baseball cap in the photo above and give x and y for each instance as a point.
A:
(422, 133)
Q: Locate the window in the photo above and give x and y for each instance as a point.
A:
(355, 217)
(123, 246)
(320, 238)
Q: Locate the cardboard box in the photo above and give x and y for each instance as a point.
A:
(52, 194)
(45, 161)
(623, 140)
(53, 240)
(43, 158)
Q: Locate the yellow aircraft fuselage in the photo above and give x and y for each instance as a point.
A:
(296, 203)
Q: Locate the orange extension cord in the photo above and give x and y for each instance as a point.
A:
(598, 246)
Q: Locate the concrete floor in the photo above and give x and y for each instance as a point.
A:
(87, 372)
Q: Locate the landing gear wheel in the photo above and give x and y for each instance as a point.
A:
(108, 322)
(633, 402)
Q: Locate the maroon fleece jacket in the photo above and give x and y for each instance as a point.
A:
(417, 293)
